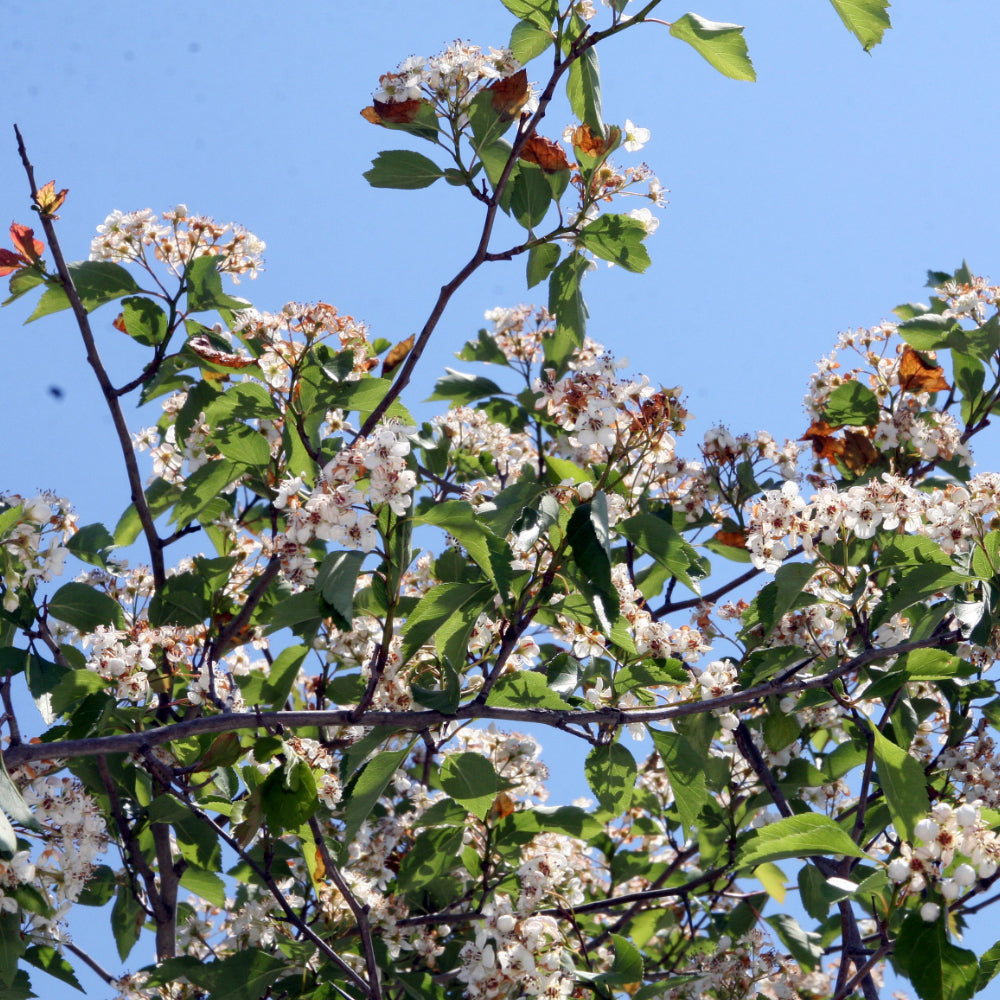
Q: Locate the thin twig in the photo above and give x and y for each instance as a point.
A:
(107, 389)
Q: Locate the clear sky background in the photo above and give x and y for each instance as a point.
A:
(808, 202)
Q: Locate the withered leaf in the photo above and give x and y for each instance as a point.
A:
(916, 375)
(397, 355)
(549, 155)
(509, 94)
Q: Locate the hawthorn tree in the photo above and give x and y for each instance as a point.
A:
(285, 740)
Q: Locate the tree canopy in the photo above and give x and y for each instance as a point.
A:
(281, 701)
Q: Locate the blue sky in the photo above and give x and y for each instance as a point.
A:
(811, 201)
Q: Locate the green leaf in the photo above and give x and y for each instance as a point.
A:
(288, 794)
(928, 332)
(589, 539)
(722, 45)
(651, 673)
(21, 282)
(685, 768)
(567, 305)
(245, 975)
(905, 785)
(611, 774)
(49, 960)
(806, 947)
(12, 947)
(490, 553)
(626, 968)
(434, 852)
(495, 156)
(541, 260)
(471, 779)
(805, 836)
(530, 196)
(96, 282)
(127, 918)
(853, 404)
(657, 538)
(867, 20)
(989, 966)
(617, 238)
(461, 388)
(938, 969)
(204, 486)
(540, 12)
(243, 401)
(272, 690)
(243, 444)
(84, 608)
(583, 88)
(206, 884)
(336, 580)
(91, 544)
(525, 689)
(529, 40)
(145, 322)
(204, 287)
(404, 169)
(366, 787)
(435, 617)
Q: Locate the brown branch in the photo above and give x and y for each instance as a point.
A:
(107, 389)
(525, 130)
(360, 912)
(427, 718)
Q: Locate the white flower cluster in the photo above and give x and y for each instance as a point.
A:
(177, 240)
(946, 835)
(33, 548)
(75, 835)
(951, 516)
(512, 956)
(450, 79)
(340, 509)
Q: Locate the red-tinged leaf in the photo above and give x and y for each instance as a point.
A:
(24, 239)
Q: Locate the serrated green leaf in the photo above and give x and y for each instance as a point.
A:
(273, 689)
(529, 40)
(145, 322)
(851, 404)
(363, 791)
(525, 689)
(685, 768)
(938, 969)
(530, 196)
(96, 282)
(460, 388)
(567, 305)
(611, 773)
(617, 238)
(721, 45)
(804, 836)
(245, 975)
(204, 287)
(79, 605)
(903, 780)
(403, 169)
(867, 20)
(928, 332)
(541, 261)
(471, 779)
(583, 89)
(540, 12)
